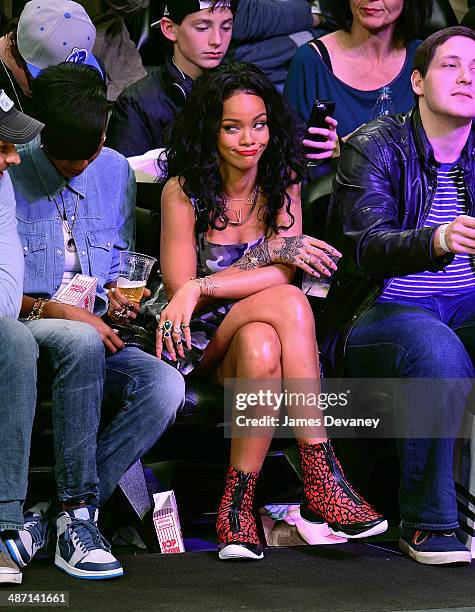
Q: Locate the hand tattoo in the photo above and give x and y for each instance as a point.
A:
(257, 257)
(289, 249)
(277, 250)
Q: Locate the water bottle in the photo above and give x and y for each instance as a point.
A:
(384, 104)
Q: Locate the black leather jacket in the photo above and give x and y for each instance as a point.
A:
(383, 192)
(144, 113)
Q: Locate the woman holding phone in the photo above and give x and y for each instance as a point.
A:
(375, 47)
(231, 240)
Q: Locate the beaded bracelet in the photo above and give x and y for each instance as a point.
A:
(37, 310)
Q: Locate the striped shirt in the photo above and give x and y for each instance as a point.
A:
(458, 277)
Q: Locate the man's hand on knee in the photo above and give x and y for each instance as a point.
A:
(57, 310)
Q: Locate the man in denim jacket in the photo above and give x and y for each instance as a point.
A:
(75, 207)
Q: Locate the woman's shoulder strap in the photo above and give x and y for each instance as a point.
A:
(320, 49)
(199, 210)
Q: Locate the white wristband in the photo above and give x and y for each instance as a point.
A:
(443, 244)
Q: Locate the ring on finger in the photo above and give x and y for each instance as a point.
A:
(167, 328)
(184, 325)
(178, 342)
(177, 331)
(307, 258)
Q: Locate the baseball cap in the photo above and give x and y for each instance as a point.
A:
(177, 10)
(54, 31)
(16, 127)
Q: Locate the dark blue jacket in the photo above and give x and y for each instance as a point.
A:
(268, 32)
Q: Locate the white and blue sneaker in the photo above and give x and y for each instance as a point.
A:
(28, 541)
(81, 550)
(10, 573)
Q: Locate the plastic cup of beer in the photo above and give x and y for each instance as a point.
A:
(134, 270)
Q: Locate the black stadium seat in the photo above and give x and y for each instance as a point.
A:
(151, 44)
(443, 16)
(469, 18)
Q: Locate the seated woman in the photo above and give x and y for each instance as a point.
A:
(374, 48)
(231, 239)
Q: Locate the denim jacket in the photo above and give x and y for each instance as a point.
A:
(103, 197)
(11, 260)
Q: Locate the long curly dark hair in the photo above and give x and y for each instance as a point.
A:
(408, 25)
(192, 152)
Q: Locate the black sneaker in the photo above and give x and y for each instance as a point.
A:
(433, 547)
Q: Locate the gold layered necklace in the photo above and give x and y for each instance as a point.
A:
(251, 200)
(70, 244)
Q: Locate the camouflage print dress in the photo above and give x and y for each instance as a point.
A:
(211, 258)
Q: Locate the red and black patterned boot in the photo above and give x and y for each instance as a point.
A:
(329, 497)
(236, 525)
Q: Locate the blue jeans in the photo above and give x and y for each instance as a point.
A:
(18, 357)
(140, 394)
(421, 338)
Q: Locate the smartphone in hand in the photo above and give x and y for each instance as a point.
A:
(320, 110)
